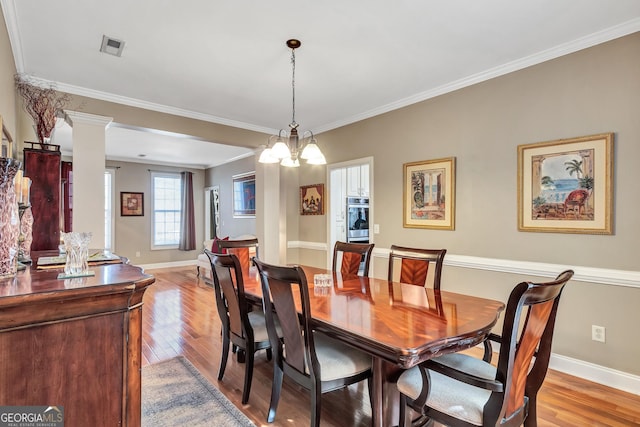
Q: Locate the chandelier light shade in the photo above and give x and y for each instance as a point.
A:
(288, 148)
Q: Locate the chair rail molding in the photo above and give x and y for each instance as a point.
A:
(610, 277)
(603, 276)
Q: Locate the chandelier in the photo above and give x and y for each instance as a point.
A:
(288, 148)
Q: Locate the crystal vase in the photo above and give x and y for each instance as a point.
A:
(26, 233)
(9, 218)
(76, 245)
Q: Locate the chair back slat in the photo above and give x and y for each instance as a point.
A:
(228, 285)
(244, 249)
(537, 319)
(414, 271)
(353, 254)
(283, 303)
(243, 256)
(281, 288)
(350, 263)
(416, 265)
(538, 302)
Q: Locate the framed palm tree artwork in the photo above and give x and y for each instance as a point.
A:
(429, 194)
(566, 186)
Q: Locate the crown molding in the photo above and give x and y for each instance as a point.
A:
(77, 117)
(590, 40)
(9, 11)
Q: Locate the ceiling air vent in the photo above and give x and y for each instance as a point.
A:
(111, 46)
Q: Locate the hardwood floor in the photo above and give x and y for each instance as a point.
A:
(180, 318)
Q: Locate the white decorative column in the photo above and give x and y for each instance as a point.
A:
(271, 214)
(88, 138)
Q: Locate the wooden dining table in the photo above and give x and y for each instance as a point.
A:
(400, 325)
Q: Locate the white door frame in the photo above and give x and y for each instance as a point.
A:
(331, 212)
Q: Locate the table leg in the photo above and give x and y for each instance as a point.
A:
(378, 405)
(386, 398)
(385, 393)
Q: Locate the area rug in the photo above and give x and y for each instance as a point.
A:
(174, 394)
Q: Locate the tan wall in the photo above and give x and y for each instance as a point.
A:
(592, 91)
(147, 119)
(7, 87)
(133, 233)
(223, 176)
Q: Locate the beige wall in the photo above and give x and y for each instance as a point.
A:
(133, 233)
(7, 88)
(592, 91)
(148, 119)
(223, 177)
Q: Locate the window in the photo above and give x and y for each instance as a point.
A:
(109, 214)
(166, 205)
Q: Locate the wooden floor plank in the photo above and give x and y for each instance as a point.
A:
(180, 318)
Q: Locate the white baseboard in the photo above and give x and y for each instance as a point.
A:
(596, 373)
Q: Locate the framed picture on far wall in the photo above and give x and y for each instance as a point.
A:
(244, 195)
(566, 186)
(429, 194)
(131, 204)
(312, 199)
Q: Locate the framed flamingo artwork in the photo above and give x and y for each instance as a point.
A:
(566, 186)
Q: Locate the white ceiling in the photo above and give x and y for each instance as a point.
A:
(226, 61)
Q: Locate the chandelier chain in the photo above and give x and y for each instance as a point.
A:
(293, 86)
(289, 148)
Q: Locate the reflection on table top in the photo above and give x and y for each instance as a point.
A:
(403, 324)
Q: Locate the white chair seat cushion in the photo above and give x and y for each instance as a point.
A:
(338, 360)
(259, 325)
(470, 365)
(450, 396)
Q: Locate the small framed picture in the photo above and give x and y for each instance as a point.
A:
(312, 199)
(7, 142)
(244, 195)
(566, 186)
(131, 204)
(429, 194)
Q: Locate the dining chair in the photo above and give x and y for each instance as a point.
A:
(312, 359)
(414, 264)
(353, 254)
(244, 249)
(243, 328)
(414, 269)
(461, 390)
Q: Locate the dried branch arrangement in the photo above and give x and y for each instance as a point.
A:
(42, 103)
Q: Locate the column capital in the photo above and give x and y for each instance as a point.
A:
(76, 117)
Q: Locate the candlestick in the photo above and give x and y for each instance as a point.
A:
(17, 184)
(26, 191)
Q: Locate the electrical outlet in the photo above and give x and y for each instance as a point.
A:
(598, 333)
(138, 254)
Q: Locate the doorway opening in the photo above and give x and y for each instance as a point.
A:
(350, 215)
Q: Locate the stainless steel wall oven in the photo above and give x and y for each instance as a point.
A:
(358, 220)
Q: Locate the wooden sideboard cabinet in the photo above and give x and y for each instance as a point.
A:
(74, 343)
